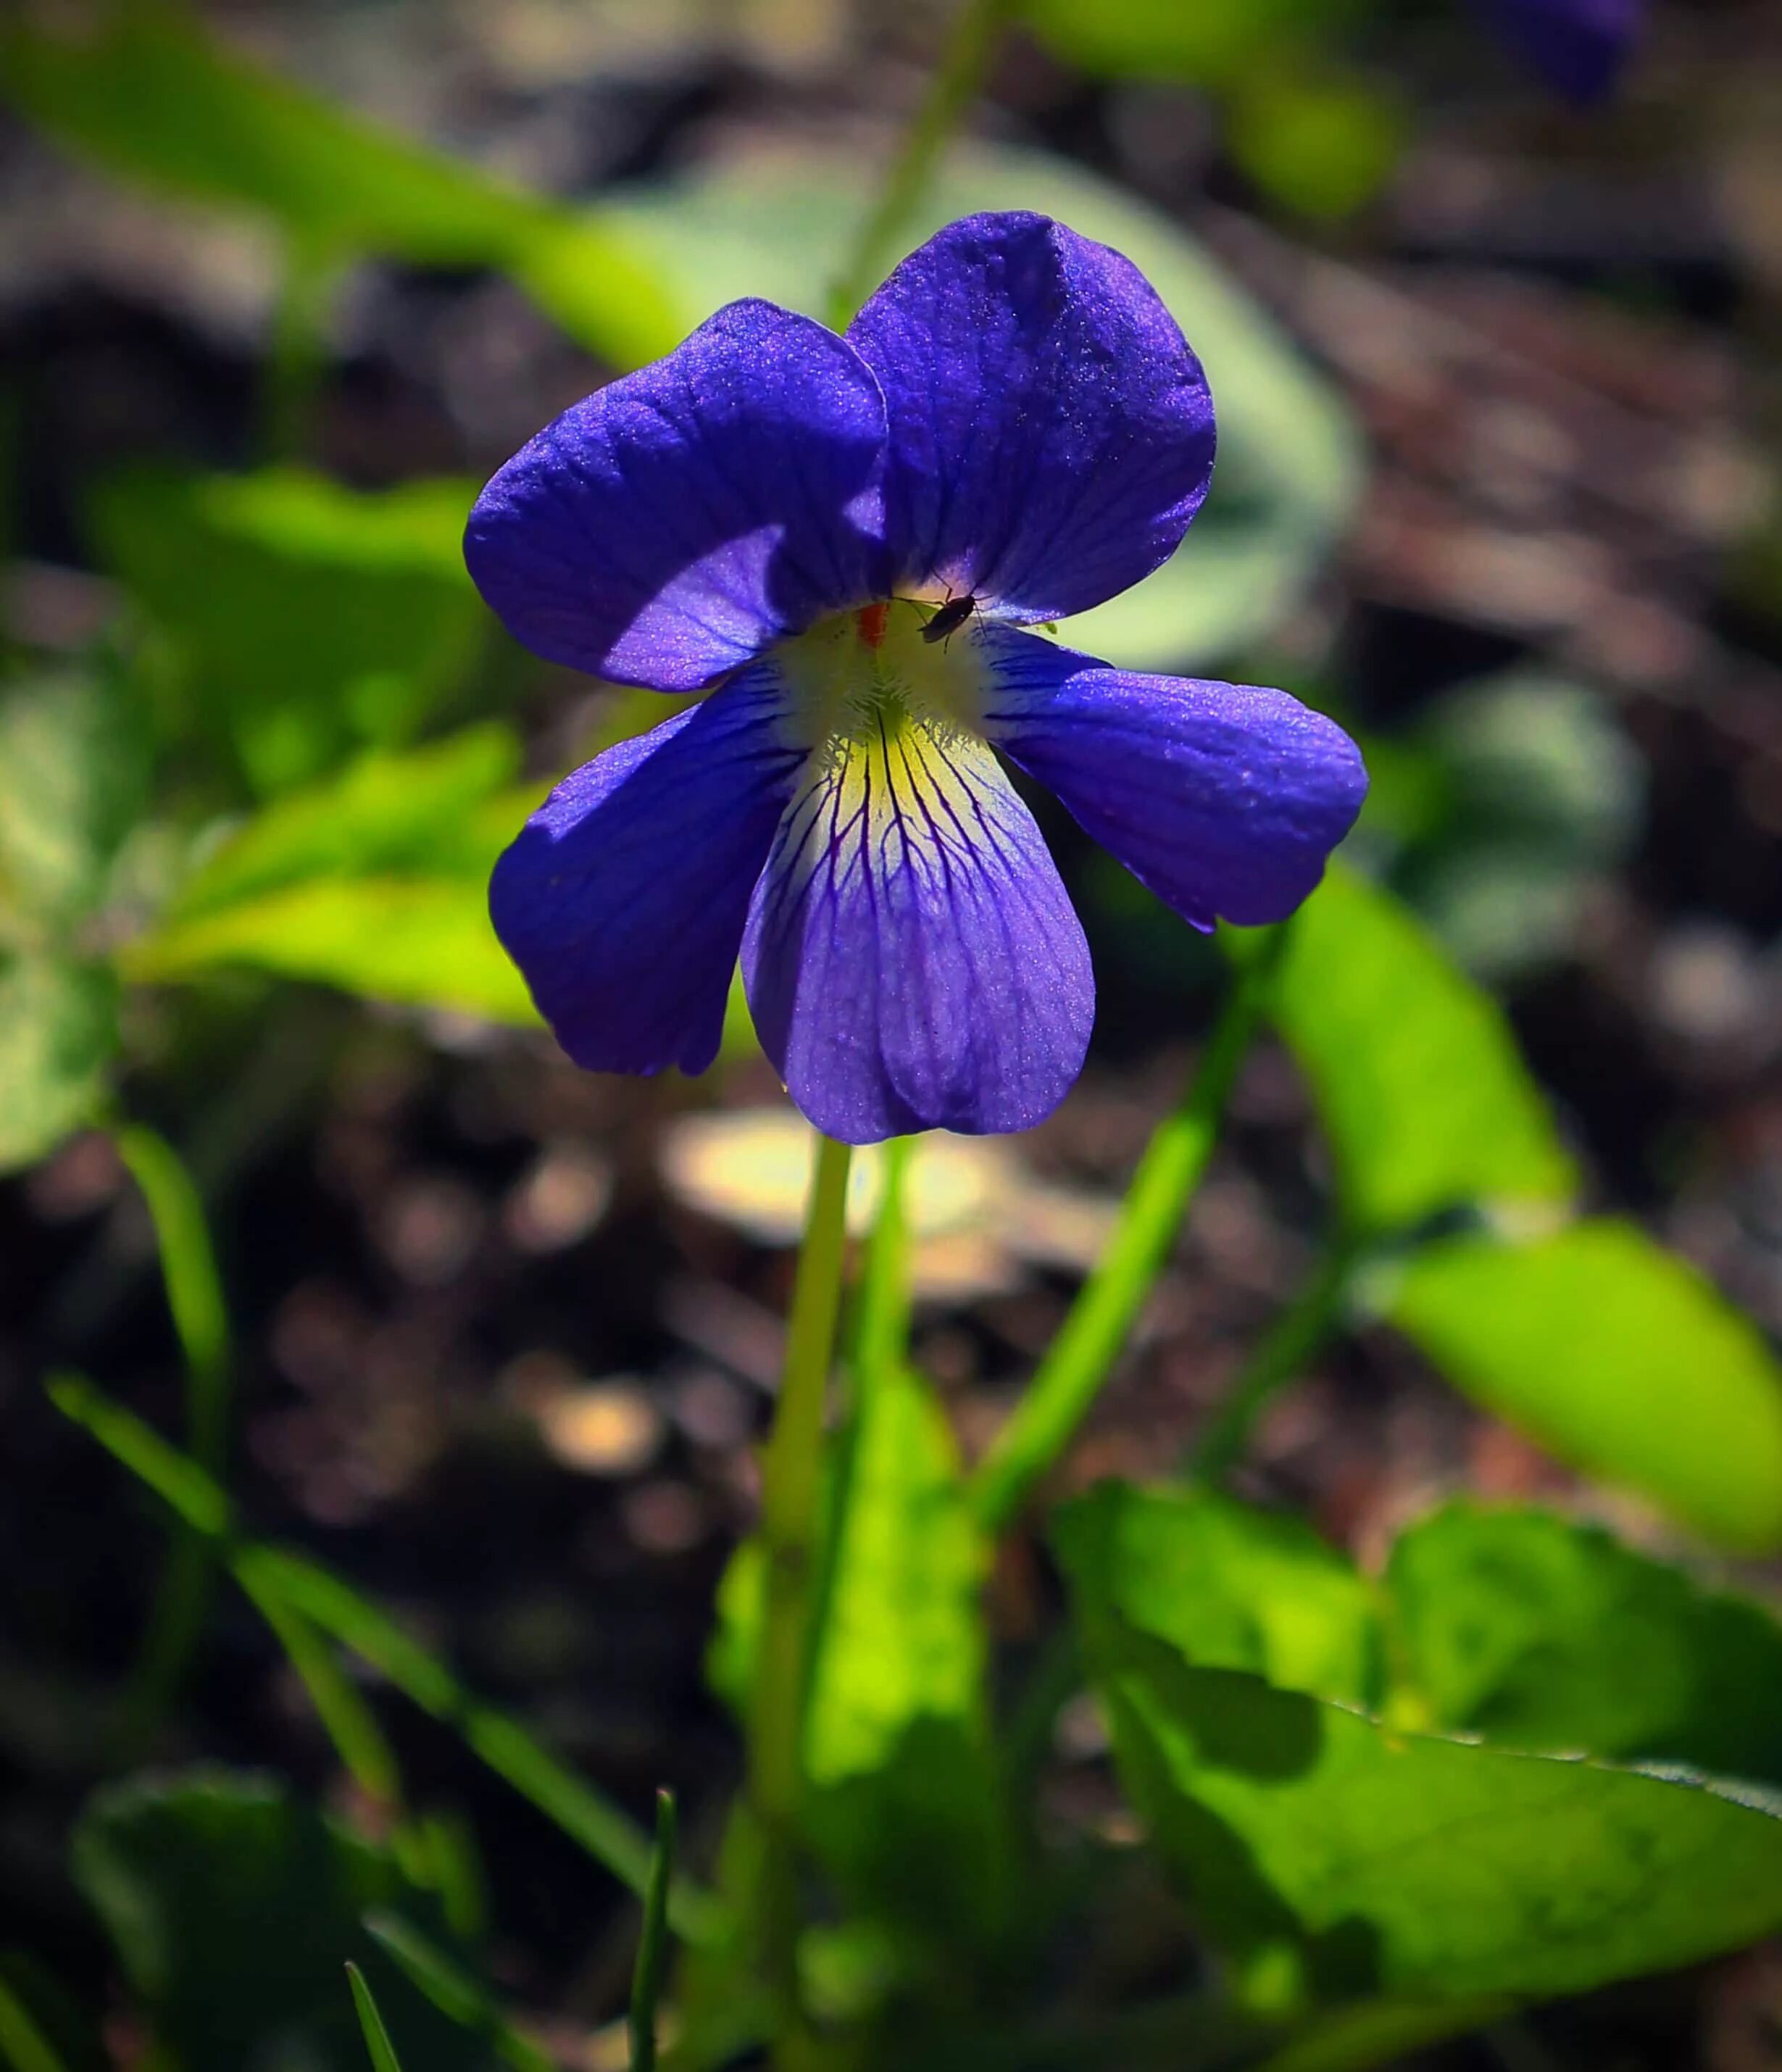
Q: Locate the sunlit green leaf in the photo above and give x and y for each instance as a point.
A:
(1540, 1632)
(58, 1031)
(1289, 469)
(1617, 1356)
(149, 95)
(233, 1907)
(1402, 1864)
(1416, 1076)
(1230, 1586)
(73, 779)
(424, 811)
(308, 618)
(902, 1804)
(422, 941)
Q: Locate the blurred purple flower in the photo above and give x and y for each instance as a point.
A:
(1578, 46)
(1014, 418)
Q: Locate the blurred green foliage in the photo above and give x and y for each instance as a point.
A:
(148, 95)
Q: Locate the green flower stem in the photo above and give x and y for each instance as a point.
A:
(653, 1940)
(1299, 1333)
(790, 1486)
(1079, 1358)
(975, 29)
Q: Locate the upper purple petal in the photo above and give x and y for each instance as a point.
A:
(1225, 798)
(1051, 433)
(623, 897)
(1579, 46)
(913, 960)
(669, 526)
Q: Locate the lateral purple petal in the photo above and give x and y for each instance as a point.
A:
(1579, 46)
(669, 526)
(622, 899)
(1224, 799)
(912, 959)
(1051, 433)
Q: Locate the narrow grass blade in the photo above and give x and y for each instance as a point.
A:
(324, 1601)
(23, 2045)
(349, 1721)
(653, 1943)
(377, 2037)
(200, 1320)
(459, 1996)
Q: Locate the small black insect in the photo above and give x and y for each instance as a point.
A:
(950, 617)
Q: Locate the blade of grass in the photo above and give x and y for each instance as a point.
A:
(349, 1721)
(653, 1942)
(1080, 1357)
(459, 1996)
(200, 1321)
(23, 2045)
(377, 2037)
(607, 1834)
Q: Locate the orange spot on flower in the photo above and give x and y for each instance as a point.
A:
(871, 622)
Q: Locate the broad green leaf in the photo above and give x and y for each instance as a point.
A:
(1289, 466)
(426, 811)
(233, 1907)
(902, 1805)
(1209, 44)
(58, 1031)
(73, 780)
(421, 942)
(148, 94)
(1539, 1633)
(1406, 1864)
(306, 618)
(1616, 1355)
(1416, 1076)
(1230, 1586)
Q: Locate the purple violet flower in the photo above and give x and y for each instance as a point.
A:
(1578, 46)
(1014, 418)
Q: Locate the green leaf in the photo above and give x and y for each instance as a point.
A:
(149, 96)
(1417, 1082)
(58, 1032)
(1228, 1586)
(902, 1803)
(73, 782)
(304, 618)
(419, 942)
(1619, 1357)
(1541, 1633)
(1208, 44)
(425, 811)
(1289, 466)
(376, 882)
(1406, 1865)
(233, 1906)
(377, 2037)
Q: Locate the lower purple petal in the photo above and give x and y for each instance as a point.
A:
(623, 898)
(1224, 799)
(912, 958)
